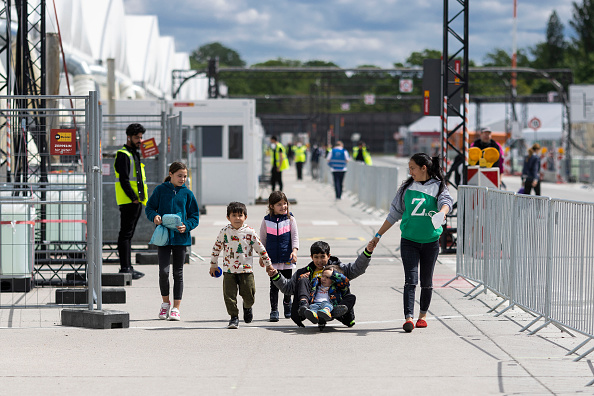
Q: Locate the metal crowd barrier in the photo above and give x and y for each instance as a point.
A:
(375, 186)
(534, 252)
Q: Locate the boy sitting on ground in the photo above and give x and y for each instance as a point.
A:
(300, 283)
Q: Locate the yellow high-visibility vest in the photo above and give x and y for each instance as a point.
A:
(299, 153)
(121, 197)
(280, 165)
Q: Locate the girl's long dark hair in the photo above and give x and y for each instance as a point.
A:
(434, 170)
(174, 167)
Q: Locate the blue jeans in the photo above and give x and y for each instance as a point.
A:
(320, 305)
(338, 181)
(417, 256)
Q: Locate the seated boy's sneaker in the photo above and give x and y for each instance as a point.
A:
(164, 312)
(303, 306)
(408, 326)
(339, 310)
(174, 314)
(312, 316)
(233, 323)
(248, 315)
(325, 314)
(274, 316)
(351, 323)
(287, 309)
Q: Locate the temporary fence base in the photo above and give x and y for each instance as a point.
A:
(531, 323)
(10, 285)
(96, 319)
(115, 279)
(114, 295)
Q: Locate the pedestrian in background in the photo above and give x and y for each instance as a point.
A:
(300, 153)
(421, 202)
(172, 197)
(361, 154)
(131, 193)
(531, 170)
(338, 158)
(280, 162)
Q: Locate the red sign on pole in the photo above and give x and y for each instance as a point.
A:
(426, 103)
(63, 142)
(148, 148)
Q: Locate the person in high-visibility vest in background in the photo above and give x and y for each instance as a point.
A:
(300, 156)
(361, 154)
(131, 193)
(280, 162)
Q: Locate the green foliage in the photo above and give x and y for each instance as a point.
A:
(227, 57)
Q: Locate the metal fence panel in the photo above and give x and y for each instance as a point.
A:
(535, 251)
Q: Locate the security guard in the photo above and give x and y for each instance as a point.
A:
(280, 162)
(300, 156)
(131, 193)
(360, 153)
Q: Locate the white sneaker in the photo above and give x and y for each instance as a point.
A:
(174, 314)
(164, 312)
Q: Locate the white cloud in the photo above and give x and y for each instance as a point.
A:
(346, 32)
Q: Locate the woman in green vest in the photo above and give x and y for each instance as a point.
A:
(280, 162)
(422, 203)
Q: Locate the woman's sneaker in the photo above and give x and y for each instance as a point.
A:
(174, 314)
(164, 312)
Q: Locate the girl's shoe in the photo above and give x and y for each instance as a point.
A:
(408, 326)
(421, 323)
(164, 312)
(174, 314)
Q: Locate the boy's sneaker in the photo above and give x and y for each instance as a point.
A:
(339, 310)
(248, 315)
(274, 316)
(312, 316)
(408, 326)
(325, 314)
(164, 312)
(287, 309)
(303, 306)
(174, 314)
(233, 323)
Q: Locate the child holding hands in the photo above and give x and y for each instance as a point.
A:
(238, 242)
(278, 232)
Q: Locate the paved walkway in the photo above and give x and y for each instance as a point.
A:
(465, 349)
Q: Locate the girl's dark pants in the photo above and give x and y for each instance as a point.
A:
(179, 257)
(418, 259)
(287, 273)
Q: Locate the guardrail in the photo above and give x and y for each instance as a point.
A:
(535, 252)
(374, 186)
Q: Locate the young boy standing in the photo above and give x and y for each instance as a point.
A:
(238, 241)
(301, 281)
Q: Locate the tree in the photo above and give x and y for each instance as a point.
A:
(416, 58)
(227, 57)
(582, 49)
(551, 53)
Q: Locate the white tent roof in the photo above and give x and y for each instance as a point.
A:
(493, 115)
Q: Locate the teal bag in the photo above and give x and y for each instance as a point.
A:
(160, 236)
(171, 221)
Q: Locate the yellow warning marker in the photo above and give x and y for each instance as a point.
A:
(474, 154)
(491, 155)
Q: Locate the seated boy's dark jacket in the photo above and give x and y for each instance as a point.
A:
(289, 286)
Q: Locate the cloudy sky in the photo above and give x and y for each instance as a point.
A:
(349, 33)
